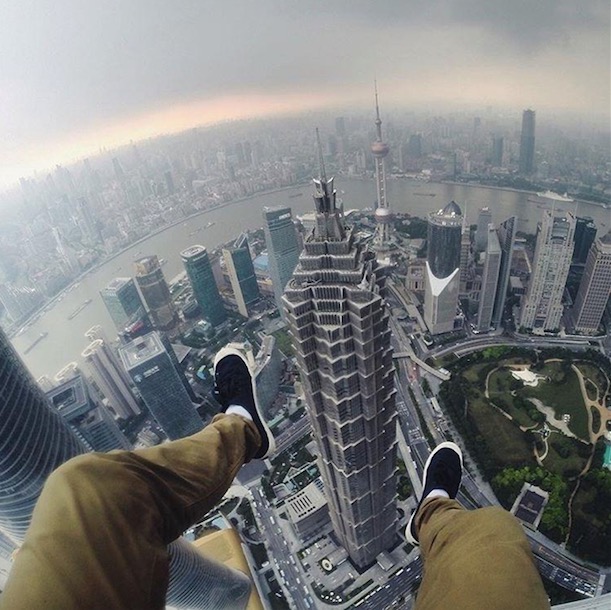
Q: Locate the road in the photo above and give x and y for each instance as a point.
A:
(397, 585)
(293, 434)
(555, 562)
(281, 557)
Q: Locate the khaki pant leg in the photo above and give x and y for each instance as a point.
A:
(100, 529)
(475, 560)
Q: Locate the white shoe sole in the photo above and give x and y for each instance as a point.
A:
(230, 350)
(444, 445)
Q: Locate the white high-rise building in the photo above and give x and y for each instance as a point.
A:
(109, 378)
(282, 247)
(542, 309)
(339, 325)
(595, 287)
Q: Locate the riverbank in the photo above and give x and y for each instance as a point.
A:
(53, 300)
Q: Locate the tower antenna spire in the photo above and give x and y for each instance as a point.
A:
(321, 161)
(378, 120)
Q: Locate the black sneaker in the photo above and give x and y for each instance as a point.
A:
(234, 384)
(443, 470)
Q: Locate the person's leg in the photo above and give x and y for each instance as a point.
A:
(100, 529)
(99, 532)
(476, 559)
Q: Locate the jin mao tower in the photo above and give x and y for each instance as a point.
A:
(339, 326)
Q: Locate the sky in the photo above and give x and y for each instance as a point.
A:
(76, 76)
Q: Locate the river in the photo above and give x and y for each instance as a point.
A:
(66, 340)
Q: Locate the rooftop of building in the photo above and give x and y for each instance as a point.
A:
(117, 283)
(452, 209)
(146, 264)
(606, 239)
(141, 349)
(92, 348)
(193, 251)
(450, 215)
(595, 603)
(70, 398)
(305, 502)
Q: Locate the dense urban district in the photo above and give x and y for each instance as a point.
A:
(492, 334)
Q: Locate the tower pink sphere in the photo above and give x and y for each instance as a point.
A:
(380, 149)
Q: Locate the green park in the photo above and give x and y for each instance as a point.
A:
(539, 416)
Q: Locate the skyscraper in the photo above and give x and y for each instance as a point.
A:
(34, 440)
(490, 280)
(465, 258)
(199, 270)
(123, 302)
(595, 287)
(414, 146)
(527, 143)
(89, 421)
(585, 234)
(484, 218)
(339, 325)
(443, 268)
(282, 248)
(542, 308)
(507, 235)
(242, 274)
(109, 378)
(497, 151)
(156, 293)
(383, 213)
(160, 385)
(19, 302)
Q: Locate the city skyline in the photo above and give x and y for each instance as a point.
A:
(104, 91)
(371, 347)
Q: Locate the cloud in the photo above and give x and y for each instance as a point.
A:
(70, 67)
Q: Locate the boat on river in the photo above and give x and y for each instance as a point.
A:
(78, 310)
(34, 343)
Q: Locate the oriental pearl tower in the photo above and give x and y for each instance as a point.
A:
(383, 213)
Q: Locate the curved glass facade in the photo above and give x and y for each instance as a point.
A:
(199, 582)
(34, 440)
(444, 237)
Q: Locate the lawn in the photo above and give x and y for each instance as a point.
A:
(472, 373)
(506, 442)
(500, 386)
(566, 456)
(562, 393)
(284, 342)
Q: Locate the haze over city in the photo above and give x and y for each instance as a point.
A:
(76, 77)
(305, 305)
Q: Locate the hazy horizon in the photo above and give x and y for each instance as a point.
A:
(76, 78)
